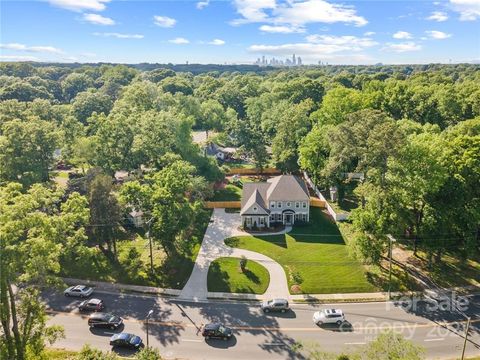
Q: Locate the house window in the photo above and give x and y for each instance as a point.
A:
(279, 217)
(289, 204)
(304, 204)
(262, 221)
(279, 204)
(297, 204)
(272, 217)
(272, 204)
(304, 217)
(249, 221)
(255, 209)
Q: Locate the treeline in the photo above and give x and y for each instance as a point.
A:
(413, 131)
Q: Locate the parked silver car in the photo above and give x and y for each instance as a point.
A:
(79, 291)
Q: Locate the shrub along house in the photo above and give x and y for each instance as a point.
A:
(282, 199)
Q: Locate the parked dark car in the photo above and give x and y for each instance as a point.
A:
(105, 320)
(126, 340)
(91, 305)
(280, 305)
(217, 331)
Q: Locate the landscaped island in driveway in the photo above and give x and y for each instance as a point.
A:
(314, 257)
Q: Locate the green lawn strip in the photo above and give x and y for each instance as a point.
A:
(315, 253)
(229, 193)
(60, 354)
(169, 272)
(224, 275)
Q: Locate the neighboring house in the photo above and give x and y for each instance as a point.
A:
(221, 153)
(136, 218)
(282, 199)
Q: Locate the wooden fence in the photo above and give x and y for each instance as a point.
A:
(222, 204)
(244, 171)
(316, 202)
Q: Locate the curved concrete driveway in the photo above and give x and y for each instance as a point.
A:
(226, 225)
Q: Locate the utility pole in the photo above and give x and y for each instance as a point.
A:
(466, 337)
(149, 222)
(390, 241)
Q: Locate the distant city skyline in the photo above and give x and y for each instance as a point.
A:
(241, 31)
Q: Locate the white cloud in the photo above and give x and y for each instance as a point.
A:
(281, 29)
(469, 9)
(179, 41)
(369, 33)
(318, 47)
(18, 58)
(402, 35)
(80, 5)
(296, 13)
(88, 55)
(253, 10)
(402, 47)
(202, 4)
(217, 42)
(438, 16)
(313, 11)
(164, 21)
(98, 19)
(119, 35)
(37, 49)
(437, 35)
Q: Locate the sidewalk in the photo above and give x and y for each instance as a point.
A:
(347, 297)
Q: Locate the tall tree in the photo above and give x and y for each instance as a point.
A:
(35, 234)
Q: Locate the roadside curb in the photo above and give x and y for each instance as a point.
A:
(301, 298)
(101, 285)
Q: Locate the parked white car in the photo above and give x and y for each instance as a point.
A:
(78, 291)
(329, 316)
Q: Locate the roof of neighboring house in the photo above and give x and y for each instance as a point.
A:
(213, 149)
(283, 187)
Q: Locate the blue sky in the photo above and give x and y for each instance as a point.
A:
(240, 31)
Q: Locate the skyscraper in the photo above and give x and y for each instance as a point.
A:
(294, 61)
(299, 61)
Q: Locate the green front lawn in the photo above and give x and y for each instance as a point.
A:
(231, 192)
(60, 354)
(225, 275)
(314, 256)
(169, 272)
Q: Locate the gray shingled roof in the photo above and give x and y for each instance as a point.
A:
(283, 187)
(287, 187)
(255, 199)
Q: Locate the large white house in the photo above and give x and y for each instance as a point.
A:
(282, 199)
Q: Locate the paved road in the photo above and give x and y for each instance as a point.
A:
(224, 225)
(175, 325)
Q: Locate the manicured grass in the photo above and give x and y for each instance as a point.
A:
(60, 354)
(224, 275)
(231, 192)
(170, 272)
(313, 255)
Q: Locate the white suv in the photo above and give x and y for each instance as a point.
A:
(329, 316)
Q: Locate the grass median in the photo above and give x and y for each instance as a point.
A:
(225, 275)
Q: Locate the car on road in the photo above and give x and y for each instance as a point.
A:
(275, 305)
(126, 340)
(105, 320)
(91, 305)
(217, 331)
(329, 316)
(79, 291)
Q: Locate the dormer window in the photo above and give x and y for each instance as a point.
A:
(289, 204)
(272, 204)
(279, 204)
